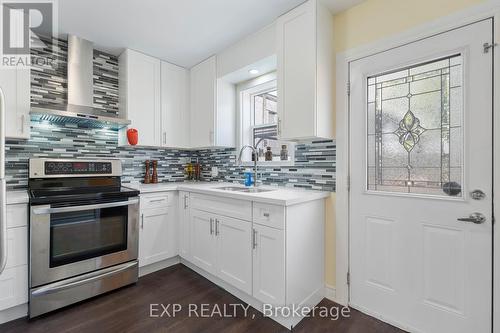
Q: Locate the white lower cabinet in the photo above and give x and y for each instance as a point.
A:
(184, 225)
(158, 232)
(203, 241)
(221, 246)
(263, 253)
(234, 252)
(268, 265)
(13, 287)
(14, 278)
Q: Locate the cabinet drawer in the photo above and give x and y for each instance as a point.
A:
(240, 209)
(17, 251)
(157, 200)
(13, 287)
(269, 215)
(17, 215)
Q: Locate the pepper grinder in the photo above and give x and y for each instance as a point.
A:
(147, 177)
(154, 178)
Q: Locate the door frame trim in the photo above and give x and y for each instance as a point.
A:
(489, 9)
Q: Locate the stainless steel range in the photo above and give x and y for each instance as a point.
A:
(83, 231)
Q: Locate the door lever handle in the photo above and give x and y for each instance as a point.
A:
(476, 218)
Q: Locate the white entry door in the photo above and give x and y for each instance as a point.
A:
(421, 183)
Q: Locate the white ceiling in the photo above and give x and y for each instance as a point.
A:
(340, 5)
(183, 32)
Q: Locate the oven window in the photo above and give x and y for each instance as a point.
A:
(76, 236)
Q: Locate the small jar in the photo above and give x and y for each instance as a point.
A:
(284, 153)
(269, 154)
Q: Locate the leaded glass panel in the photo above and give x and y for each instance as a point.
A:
(415, 137)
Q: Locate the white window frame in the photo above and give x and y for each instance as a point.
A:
(245, 92)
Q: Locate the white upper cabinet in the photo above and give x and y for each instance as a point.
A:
(212, 118)
(140, 96)
(203, 99)
(174, 106)
(305, 72)
(15, 84)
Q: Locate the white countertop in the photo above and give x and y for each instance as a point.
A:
(17, 197)
(278, 195)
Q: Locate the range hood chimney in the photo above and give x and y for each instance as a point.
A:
(80, 72)
(80, 107)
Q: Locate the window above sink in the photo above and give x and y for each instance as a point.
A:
(258, 122)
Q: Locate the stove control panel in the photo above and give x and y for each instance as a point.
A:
(60, 168)
(77, 168)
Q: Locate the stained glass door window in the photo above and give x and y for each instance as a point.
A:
(415, 132)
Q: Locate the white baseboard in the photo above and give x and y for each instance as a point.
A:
(288, 322)
(145, 270)
(16, 312)
(330, 292)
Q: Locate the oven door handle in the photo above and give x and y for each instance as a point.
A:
(48, 210)
(83, 279)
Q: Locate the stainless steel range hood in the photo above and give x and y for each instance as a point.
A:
(79, 109)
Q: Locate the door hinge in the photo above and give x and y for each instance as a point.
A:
(488, 46)
(348, 278)
(348, 88)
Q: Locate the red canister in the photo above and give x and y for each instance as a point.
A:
(132, 136)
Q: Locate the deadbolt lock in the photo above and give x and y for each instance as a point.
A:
(477, 195)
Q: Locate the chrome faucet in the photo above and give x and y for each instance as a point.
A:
(255, 159)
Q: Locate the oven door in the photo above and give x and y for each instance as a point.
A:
(78, 238)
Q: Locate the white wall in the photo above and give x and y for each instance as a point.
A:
(249, 50)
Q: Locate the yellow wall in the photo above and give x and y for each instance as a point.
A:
(366, 23)
(376, 19)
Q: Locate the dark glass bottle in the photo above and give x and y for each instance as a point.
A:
(269, 154)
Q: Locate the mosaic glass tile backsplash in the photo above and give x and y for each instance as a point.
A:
(49, 86)
(69, 141)
(314, 167)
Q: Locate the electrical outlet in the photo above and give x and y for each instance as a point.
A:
(215, 171)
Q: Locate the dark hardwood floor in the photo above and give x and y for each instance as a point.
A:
(128, 310)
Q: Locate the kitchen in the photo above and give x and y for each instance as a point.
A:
(180, 173)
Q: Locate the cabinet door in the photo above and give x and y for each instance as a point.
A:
(184, 225)
(157, 237)
(174, 106)
(203, 241)
(15, 84)
(269, 265)
(296, 50)
(143, 96)
(203, 99)
(234, 252)
(13, 287)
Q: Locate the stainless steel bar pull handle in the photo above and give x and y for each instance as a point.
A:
(216, 227)
(211, 226)
(157, 200)
(48, 210)
(476, 218)
(254, 239)
(83, 279)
